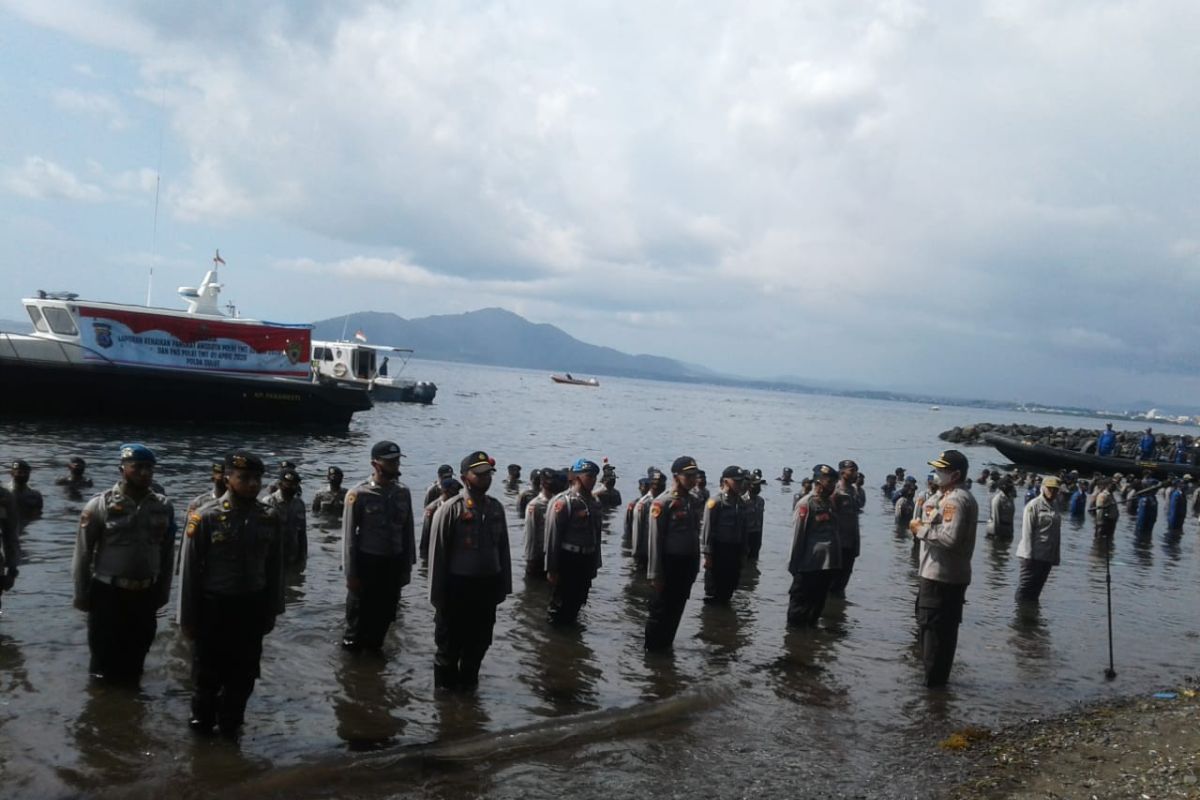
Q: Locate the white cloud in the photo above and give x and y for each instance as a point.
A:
(92, 103)
(41, 179)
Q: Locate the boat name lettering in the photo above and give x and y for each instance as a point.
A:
(275, 396)
(198, 354)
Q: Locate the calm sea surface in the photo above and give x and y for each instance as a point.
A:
(749, 708)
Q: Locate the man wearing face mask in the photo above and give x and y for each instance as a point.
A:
(293, 518)
(947, 536)
(845, 505)
(673, 557)
(573, 521)
(816, 550)
(1041, 532)
(378, 549)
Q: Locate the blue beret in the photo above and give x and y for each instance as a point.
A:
(585, 467)
(137, 452)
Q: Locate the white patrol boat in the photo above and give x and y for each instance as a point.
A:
(371, 367)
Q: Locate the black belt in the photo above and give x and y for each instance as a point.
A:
(577, 548)
(132, 584)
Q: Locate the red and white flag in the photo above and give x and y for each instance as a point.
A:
(217, 258)
(362, 337)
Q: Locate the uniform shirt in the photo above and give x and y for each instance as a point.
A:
(902, 511)
(845, 505)
(755, 510)
(1041, 531)
(723, 521)
(230, 549)
(607, 498)
(641, 526)
(203, 499)
(378, 521)
(122, 539)
(433, 492)
(674, 530)
(1107, 513)
(71, 482)
(1000, 520)
(816, 540)
(524, 498)
(573, 524)
(427, 523)
(9, 528)
(28, 502)
(293, 525)
(535, 529)
(469, 538)
(948, 538)
(329, 500)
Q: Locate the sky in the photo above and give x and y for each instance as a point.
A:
(992, 199)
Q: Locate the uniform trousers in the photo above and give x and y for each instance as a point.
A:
(121, 628)
(1033, 577)
(575, 571)
(753, 543)
(939, 613)
(225, 656)
(842, 576)
(806, 597)
(535, 569)
(462, 629)
(724, 572)
(666, 607)
(371, 610)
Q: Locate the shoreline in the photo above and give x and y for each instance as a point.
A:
(1138, 746)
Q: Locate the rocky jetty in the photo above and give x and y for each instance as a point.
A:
(1079, 439)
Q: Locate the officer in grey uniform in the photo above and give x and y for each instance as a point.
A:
(10, 541)
(470, 573)
(947, 536)
(552, 482)
(435, 489)
(450, 488)
(76, 477)
(641, 518)
(29, 500)
(845, 505)
(723, 538)
(214, 494)
(284, 466)
(230, 593)
(1104, 508)
(674, 554)
(755, 512)
(293, 518)
(535, 488)
(817, 550)
(378, 549)
(608, 496)
(902, 511)
(573, 525)
(332, 499)
(122, 567)
(630, 508)
(1000, 520)
(1041, 536)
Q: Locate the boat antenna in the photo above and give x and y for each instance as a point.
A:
(157, 185)
(345, 324)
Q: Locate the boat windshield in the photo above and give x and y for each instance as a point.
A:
(60, 321)
(35, 315)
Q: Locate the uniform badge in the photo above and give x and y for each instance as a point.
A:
(656, 509)
(948, 512)
(559, 505)
(711, 503)
(350, 496)
(802, 511)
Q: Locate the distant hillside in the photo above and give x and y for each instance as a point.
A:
(501, 338)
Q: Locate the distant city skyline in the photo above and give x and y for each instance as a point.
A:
(992, 201)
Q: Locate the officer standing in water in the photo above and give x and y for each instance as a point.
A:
(723, 538)
(332, 499)
(674, 554)
(816, 550)
(551, 483)
(845, 505)
(755, 510)
(76, 478)
(947, 537)
(293, 518)
(1041, 534)
(122, 567)
(230, 593)
(378, 549)
(435, 488)
(10, 541)
(573, 524)
(450, 488)
(470, 573)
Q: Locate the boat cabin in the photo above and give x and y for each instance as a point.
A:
(353, 362)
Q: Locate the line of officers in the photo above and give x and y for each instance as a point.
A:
(236, 548)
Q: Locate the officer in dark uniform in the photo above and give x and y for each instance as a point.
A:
(786, 477)
(293, 518)
(76, 478)
(573, 524)
(284, 466)
(513, 481)
(723, 538)
(214, 494)
(674, 554)
(435, 489)
(806, 486)
(10, 542)
(608, 496)
(552, 482)
(230, 593)
(332, 499)
(122, 567)
(643, 488)
(641, 517)
(845, 505)
(816, 550)
(470, 573)
(701, 490)
(28, 499)
(755, 511)
(450, 488)
(535, 487)
(378, 549)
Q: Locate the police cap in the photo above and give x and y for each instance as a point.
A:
(1051, 482)
(950, 459)
(284, 466)
(137, 452)
(218, 468)
(684, 464)
(76, 461)
(737, 473)
(479, 463)
(289, 476)
(643, 483)
(245, 460)
(585, 467)
(847, 463)
(823, 471)
(334, 472)
(445, 470)
(556, 479)
(385, 451)
(449, 483)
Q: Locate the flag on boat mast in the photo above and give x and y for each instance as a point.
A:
(362, 337)
(217, 258)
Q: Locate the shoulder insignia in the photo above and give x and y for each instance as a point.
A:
(84, 518)
(948, 511)
(802, 509)
(225, 505)
(193, 523)
(559, 505)
(469, 503)
(350, 497)
(711, 503)
(656, 509)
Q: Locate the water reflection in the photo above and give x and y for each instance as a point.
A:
(366, 706)
(111, 738)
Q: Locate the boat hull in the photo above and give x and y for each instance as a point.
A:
(149, 394)
(413, 392)
(1045, 457)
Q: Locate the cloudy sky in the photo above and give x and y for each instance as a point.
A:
(995, 199)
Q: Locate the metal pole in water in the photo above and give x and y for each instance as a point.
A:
(1109, 673)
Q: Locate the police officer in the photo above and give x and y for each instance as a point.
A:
(230, 593)
(10, 542)
(1104, 507)
(435, 488)
(284, 466)
(630, 507)
(701, 490)
(122, 567)
(641, 517)
(293, 518)
(378, 549)
(947, 536)
(817, 550)
(806, 487)
(332, 499)
(552, 482)
(28, 499)
(1041, 535)
(845, 505)
(786, 477)
(903, 509)
(608, 496)
(674, 553)
(755, 511)
(1000, 520)
(723, 537)
(76, 478)
(450, 488)
(535, 488)
(219, 487)
(470, 573)
(573, 523)
(513, 479)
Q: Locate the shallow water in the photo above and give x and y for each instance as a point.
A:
(751, 709)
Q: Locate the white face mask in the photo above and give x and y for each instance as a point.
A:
(942, 477)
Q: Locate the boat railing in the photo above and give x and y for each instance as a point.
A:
(51, 344)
